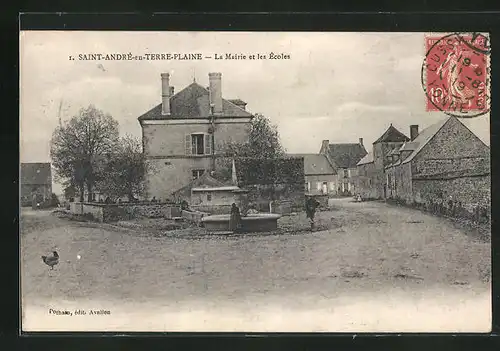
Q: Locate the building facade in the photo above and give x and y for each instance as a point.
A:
(446, 163)
(185, 134)
(36, 181)
(344, 157)
(320, 175)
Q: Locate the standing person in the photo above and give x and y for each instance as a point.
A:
(235, 219)
(311, 205)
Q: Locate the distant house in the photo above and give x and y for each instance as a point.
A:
(344, 157)
(184, 134)
(320, 175)
(36, 180)
(444, 163)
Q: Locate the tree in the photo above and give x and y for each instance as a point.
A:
(78, 146)
(263, 143)
(125, 170)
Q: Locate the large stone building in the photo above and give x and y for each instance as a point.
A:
(344, 157)
(36, 180)
(444, 163)
(184, 135)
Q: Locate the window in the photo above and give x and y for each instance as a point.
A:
(308, 186)
(324, 189)
(318, 186)
(332, 186)
(198, 144)
(346, 173)
(197, 173)
(209, 197)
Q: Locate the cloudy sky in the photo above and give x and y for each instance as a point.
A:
(335, 86)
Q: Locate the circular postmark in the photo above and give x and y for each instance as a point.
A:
(455, 74)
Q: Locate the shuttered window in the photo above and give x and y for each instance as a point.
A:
(198, 144)
(188, 144)
(208, 144)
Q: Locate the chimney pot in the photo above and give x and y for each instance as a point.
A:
(215, 89)
(324, 146)
(361, 141)
(413, 131)
(165, 94)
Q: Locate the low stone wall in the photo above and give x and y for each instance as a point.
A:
(116, 212)
(212, 209)
(96, 210)
(193, 216)
(148, 210)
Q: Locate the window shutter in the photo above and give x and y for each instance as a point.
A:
(208, 144)
(188, 144)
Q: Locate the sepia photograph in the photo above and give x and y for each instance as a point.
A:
(255, 182)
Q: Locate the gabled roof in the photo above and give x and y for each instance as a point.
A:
(346, 155)
(367, 159)
(204, 181)
(392, 135)
(316, 164)
(237, 102)
(36, 173)
(410, 146)
(424, 137)
(193, 102)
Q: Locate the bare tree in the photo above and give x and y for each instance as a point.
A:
(80, 144)
(125, 170)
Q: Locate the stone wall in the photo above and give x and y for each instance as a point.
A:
(115, 212)
(212, 209)
(469, 191)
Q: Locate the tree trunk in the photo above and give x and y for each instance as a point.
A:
(82, 192)
(89, 190)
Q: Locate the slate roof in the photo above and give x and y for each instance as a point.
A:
(36, 173)
(410, 146)
(237, 101)
(367, 159)
(392, 135)
(316, 164)
(346, 155)
(424, 137)
(193, 102)
(204, 181)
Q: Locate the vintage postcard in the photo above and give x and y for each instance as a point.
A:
(255, 181)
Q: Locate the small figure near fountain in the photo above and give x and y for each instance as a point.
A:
(311, 206)
(235, 219)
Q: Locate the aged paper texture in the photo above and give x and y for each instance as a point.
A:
(255, 182)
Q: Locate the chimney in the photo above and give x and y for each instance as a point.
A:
(172, 89)
(216, 92)
(324, 146)
(165, 94)
(413, 131)
(361, 142)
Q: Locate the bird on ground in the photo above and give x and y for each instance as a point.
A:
(51, 261)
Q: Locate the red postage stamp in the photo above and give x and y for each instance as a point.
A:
(455, 74)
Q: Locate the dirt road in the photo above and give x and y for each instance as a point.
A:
(374, 255)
